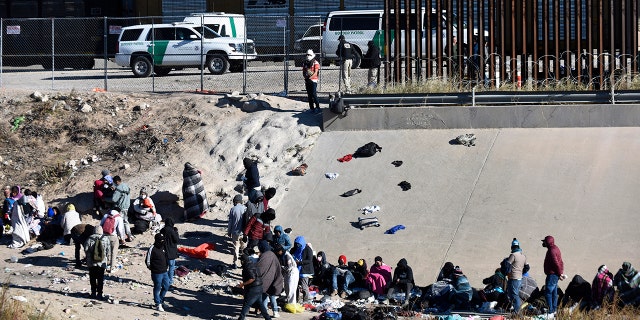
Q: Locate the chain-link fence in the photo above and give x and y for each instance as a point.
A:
(80, 53)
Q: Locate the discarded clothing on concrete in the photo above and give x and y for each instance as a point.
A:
(199, 252)
(395, 229)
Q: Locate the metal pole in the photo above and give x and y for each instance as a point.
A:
(244, 69)
(105, 33)
(53, 53)
(202, 58)
(1, 44)
(286, 56)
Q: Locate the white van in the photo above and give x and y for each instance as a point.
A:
(361, 26)
(225, 24)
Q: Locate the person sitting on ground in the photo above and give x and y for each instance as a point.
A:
(360, 272)
(578, 292)
(342, 275)
(145, 208)
(51, 226)
(323, 272)
(379, 277)
(446, 273)
(70, 219)
(602, 290)
(7, 204)
(495, 289)
(627, 281)
(282, 238)
(462, 292)
(402, 281)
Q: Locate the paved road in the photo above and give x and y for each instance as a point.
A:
(266, 77)
(466, 204)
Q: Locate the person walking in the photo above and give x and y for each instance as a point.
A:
(80, 233)
(345, 53)
(234, 227)
(518, 262)
(97, 249)
(252, 285)
(554, 269)
(156, 261)
(171, 238)
(270, 272)
(310, 71)
(113, 228)
(373, 57)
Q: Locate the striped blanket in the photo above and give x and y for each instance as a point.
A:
(195, 198)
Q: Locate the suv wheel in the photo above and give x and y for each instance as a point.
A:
(357, 59)
(217, 63)
(141, 67)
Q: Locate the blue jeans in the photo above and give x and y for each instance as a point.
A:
(172, 270)
(348, 279)
(251, 296)
(551, 292)
(160, 286)
(274, 303)
(513, 293)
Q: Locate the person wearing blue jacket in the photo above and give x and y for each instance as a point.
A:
(282, 238)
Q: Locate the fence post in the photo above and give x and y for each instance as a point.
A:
(286, 56)
(1, 44)
(53, 53)
(105, 36)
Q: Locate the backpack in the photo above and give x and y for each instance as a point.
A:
(140, 226)
(147, 258)
(353, 312)
(367, 150)
(109, 224)
(98, 251)
(505, 267)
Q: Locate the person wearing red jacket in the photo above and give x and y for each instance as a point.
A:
(554, 269)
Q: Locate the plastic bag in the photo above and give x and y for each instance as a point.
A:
(294, 308)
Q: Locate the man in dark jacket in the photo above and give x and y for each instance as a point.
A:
(156, 261)
(252, 176)
(402, 280)
(323, 271)
(345, 53)
(80, 233)
(171, 238)
(252, 285)
(554, 269)
(270, 272)
(373, 57)
(303, 254)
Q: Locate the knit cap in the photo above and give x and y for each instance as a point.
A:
(515, 243)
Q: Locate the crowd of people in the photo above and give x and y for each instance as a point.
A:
(303, 271)
(273, 265)
(25, 218)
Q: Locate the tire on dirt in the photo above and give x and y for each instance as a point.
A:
(141, 67)
(217, 63)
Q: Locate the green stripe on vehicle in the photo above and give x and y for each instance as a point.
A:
(160, 49)
(233, 27)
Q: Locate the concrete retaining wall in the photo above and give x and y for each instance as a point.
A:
(460, 117)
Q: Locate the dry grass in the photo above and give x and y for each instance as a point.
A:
(11, 309)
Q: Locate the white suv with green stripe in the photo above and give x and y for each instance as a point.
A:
(159, 48)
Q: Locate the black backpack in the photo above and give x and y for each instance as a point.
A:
(353, 312)
(367, 150)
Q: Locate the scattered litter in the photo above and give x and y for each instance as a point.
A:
(368, 222)
(395, 229)
(19, 298)
(405, 185)
(397, 163)
(331, 217)
(300, 170)
(468, 139)
(367, 150)
(351, 193)
(332, 175)
(370, 209)
(346, 158)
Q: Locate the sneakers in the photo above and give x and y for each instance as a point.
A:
(344, 295)
(160, 308)
(334, 293)
(276, 314)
